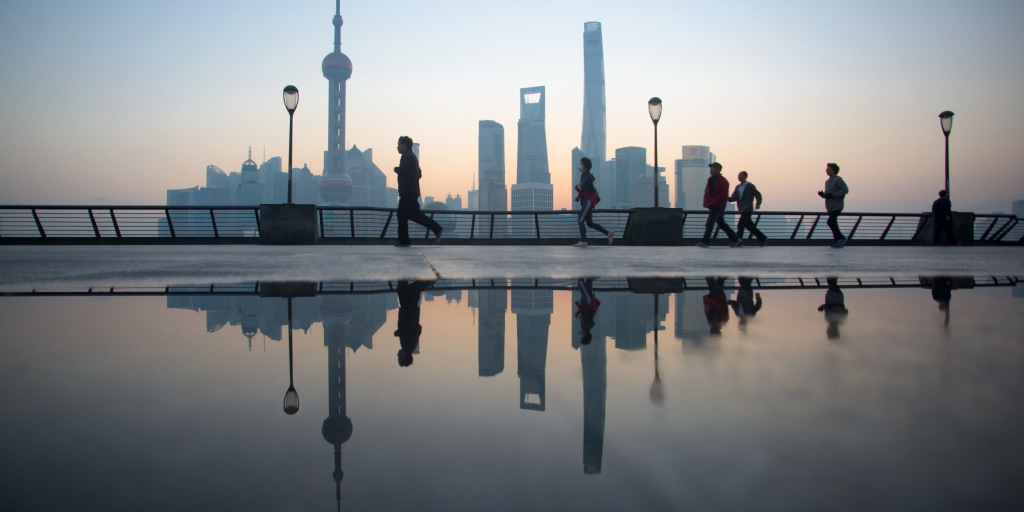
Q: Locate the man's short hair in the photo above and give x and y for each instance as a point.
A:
(833, 166)
(716, 165)
(744, 174)
(587, 163)
(405, 140)
(942, 193)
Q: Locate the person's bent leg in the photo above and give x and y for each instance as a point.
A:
(833, 224)
(709, 225)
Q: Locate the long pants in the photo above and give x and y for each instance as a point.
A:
(716, 216)
(943, 226)
(409, 209)
(833, 224)
(747, 223)
(586, 215)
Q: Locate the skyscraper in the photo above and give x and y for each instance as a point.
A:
(691, 176)
(595, 133)
(630, 165)
(532, 156)
(493, 194)
(336, 185)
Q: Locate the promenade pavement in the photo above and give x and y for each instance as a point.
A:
(27, 267)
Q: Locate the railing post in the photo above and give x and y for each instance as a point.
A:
(213, 221)
(113, 220)
(810, 232)
(39, 224)
(536, 223)
(170, 223)
(95, 228)
(352, 223)
(256, 213)
(888, 227)
(855, 225)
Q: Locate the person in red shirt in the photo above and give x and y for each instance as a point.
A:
(716, 195)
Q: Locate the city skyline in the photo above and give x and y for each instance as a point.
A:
(138, 105)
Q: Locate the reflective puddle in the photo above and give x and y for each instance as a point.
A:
(602, 394)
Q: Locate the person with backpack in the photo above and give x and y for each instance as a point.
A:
(586, 195)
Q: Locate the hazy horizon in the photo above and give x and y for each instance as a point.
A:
(117, 101)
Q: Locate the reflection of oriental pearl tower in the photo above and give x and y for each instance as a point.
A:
(336, 312)
(336, 185)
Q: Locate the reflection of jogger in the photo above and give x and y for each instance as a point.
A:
(586, 308)
(834, 308)
(409, 327)
(716, 306)
(747, 303)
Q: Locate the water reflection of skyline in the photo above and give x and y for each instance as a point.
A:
(352, 315)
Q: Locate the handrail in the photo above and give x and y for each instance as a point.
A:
(348, 224)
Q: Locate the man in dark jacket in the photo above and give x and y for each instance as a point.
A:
(747, 199)
(716, 194)
(409, 174)
(942, 219)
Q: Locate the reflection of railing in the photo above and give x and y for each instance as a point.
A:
(340, 224)
(662, 285)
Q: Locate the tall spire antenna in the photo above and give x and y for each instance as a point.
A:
(337, 25)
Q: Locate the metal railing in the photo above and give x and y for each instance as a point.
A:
(367, 225)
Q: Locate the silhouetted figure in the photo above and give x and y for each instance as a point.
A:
(747, 303)
(586, 195)
(716, 306)
(834, 308)
(747, 199)
(716, 195)
(942, 219)
(586, 308)
(409, 175)
(409, 327)
(834, 195)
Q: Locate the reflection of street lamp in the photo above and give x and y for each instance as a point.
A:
(291, 101)
(946, 118)
(654, 107)
(291, 397)
(657, 389)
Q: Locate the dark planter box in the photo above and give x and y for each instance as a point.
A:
(288, 224)
(655, 226)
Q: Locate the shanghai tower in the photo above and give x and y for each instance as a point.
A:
(595, 134)
(336, 185)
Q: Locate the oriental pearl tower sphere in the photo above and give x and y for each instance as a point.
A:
(336, 185)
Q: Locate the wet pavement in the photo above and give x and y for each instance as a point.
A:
(30, 266)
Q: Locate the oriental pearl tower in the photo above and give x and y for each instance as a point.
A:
(336, 185)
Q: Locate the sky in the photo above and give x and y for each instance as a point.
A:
(116, 101)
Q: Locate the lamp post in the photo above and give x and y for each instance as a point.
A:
(291, 101)
(291, 397)
(654, 107)
(946, 118)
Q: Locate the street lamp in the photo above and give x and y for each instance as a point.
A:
(291, 397)
(291, 101)
(946, 118)
(654, 107)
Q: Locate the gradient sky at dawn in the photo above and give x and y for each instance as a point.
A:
(115, 101)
